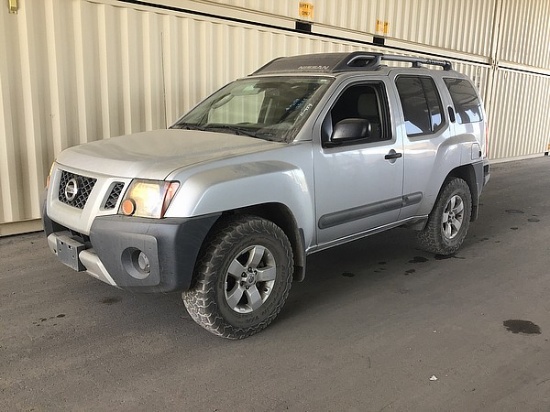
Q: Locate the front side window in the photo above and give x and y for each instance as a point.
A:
(269, 108)
(360, 101)
(465, 99)
(421, 105)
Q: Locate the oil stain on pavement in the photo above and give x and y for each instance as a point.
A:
(514, 211)
(111, 300)
(418, 259)
(445, 257)
(524, 327)
(41, 321)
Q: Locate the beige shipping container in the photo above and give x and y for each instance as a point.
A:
(525, 34)
(460, 26)
(75, 71)
(519, 121)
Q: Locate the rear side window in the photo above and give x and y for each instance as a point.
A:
(421, 105)
(465, 99)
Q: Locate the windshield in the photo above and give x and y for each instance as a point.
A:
(269, 108)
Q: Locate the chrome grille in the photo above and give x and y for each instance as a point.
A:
(112, 200)
(82, 186)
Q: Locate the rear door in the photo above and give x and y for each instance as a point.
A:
(429, 151)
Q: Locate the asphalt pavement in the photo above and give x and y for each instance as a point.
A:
(377, 325)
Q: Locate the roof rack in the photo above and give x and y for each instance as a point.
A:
(343, 62)
(374, 60)
(418, 62)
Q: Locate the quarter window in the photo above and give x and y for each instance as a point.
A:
(465, 99)
(421, 105)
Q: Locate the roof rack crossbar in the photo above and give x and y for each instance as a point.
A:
(374, 60)
(417, 61)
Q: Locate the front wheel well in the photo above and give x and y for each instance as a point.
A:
(282, 217)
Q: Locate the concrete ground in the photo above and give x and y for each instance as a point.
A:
(377, 326)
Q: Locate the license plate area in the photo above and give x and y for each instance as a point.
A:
(68, 250)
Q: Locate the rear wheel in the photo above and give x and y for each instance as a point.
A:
(449, 220)
(242, 278)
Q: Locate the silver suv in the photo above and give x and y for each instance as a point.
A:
(307, 153)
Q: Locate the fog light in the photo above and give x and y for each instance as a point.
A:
(143, 262)
(136, 263)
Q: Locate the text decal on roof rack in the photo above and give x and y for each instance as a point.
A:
(313, 67)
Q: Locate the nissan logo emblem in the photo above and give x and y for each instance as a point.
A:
(71, 190)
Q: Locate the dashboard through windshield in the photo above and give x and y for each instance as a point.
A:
(269, 108)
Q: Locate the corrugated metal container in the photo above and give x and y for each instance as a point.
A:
(75, 71)
(519, 118)
(288, 8)
(463, 26)
(525, 33)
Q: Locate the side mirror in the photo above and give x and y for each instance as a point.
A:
(350, 129)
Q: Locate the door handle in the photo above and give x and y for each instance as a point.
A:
(393, 155)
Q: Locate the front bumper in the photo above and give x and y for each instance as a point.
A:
(111, 251)
(486, 172)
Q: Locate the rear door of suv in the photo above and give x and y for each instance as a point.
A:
(429, 152)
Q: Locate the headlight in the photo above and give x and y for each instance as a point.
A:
(148, 198)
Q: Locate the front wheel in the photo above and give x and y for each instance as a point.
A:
(449, 220)
(242, 278)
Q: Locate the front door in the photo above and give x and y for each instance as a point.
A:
(358, 182)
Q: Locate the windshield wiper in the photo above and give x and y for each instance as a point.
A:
(188, 126)
(235, 129)
(269, 136)
(240, 131)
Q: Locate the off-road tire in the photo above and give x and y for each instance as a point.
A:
(208, 302)
(440, 235)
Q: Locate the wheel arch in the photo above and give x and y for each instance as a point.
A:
(468, 174)
(280, 215)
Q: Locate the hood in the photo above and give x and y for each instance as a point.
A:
(155, 154)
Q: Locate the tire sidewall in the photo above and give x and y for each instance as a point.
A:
(280, 287)
(459, 188)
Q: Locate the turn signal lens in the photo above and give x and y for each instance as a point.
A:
(170, 193)
(128, 207)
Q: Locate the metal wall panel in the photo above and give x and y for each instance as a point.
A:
(75, 71)
(525, 33)
(463, 26)
(519, 119)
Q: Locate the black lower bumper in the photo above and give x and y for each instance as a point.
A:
(170, 246)
(486, 173)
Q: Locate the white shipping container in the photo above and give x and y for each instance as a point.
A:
(463, 26)
(519, 116)
(525, 33)
(75, 71)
